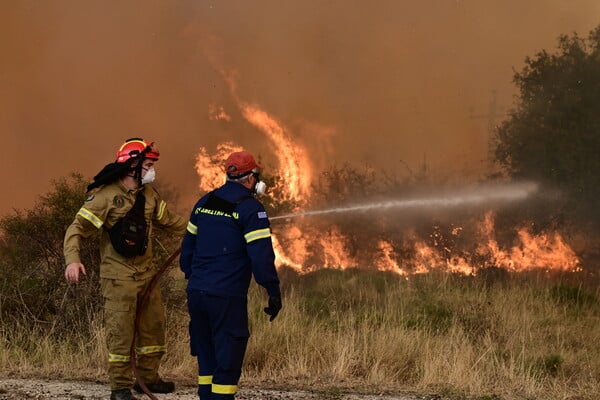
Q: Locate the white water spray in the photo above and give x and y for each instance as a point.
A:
(471, 197)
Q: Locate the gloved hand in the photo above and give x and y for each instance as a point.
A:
(274, 307)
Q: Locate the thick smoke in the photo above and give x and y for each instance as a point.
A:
(391, 84)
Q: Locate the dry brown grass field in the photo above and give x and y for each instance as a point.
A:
(492, 336)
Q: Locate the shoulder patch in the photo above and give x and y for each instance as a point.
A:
(90, 197)
(119, 201)
(262, 214)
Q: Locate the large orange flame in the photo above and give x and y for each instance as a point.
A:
(387, 259)
(547, 250)
(210, 167)
(294, 166)
(295, 249)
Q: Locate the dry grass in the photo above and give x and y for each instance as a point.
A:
(493, 336)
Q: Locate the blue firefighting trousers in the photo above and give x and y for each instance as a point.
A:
(218, 338)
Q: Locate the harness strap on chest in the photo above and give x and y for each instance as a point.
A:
(217, 203)
(129, 235)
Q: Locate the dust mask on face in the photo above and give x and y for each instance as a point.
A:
(149, 176)
(260, 188)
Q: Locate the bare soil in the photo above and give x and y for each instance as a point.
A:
(35, 389)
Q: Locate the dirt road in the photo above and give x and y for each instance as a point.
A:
(37, 389)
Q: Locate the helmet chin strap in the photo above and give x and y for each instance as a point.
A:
(137, 170)
(138, 173)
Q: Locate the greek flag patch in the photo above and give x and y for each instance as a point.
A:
(262, 214)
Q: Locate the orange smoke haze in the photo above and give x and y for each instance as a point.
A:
(387, 84)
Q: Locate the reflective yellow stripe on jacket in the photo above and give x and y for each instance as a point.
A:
(87, 214)
(204, 379)
(257, 234)
(161, 210)
(191, 228)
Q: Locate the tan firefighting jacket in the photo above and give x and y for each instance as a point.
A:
(101, 210)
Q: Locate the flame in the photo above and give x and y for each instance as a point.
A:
(460, 265)
(544, 251)
(386, 260)
(306, 248)
(426, 258)
(548, 251)
(210, 168)
(294, 165)
(297, 252)
(334, 246)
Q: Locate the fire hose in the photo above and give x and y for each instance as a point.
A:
(141, 304)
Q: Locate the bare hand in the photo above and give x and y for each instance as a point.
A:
(72, 272)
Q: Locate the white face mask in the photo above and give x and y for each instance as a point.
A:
(260, 188)
(149, 176)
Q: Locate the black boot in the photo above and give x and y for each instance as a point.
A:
(159, 386)
(122, 394)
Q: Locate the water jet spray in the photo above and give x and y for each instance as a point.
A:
(467, 197)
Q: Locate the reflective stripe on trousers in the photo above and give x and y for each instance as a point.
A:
(120, 305)
(218, 337)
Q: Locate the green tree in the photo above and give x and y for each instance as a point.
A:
(33, 290)
(553, 134)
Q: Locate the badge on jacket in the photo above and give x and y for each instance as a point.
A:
(262, 214)
(119, 201)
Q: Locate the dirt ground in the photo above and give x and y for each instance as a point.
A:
(36, 389)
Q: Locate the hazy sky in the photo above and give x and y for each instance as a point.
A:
(389, 83)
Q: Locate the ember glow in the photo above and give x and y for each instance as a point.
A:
(217, 113)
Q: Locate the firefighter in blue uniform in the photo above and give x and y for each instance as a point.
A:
(228, 240)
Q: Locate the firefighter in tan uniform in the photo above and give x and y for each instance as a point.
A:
(125, 207)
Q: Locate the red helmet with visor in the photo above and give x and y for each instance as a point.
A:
(134, 147)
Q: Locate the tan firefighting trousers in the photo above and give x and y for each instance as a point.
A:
(121, 298)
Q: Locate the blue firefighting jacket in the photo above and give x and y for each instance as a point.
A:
(221, 250)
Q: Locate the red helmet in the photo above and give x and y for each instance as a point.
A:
(134, 147)
(240, 163)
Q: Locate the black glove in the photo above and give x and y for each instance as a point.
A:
(274, 307)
